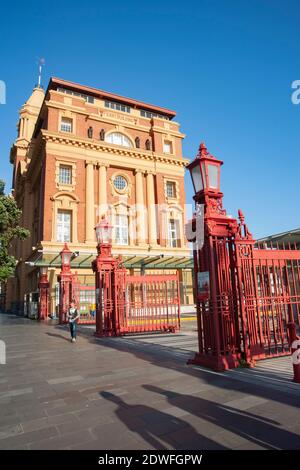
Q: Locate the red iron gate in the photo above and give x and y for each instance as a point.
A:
(151, 303)
(270, 293)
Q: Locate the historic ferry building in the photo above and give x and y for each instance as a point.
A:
(80, 153)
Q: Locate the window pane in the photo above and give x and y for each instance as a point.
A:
(171, 189)
(63, 224)
(213, 176)
(65, 174)
(66, 125)
(120, 182)
(174, 233)
(197, 178)
(118, 139)
(121, 230)
(167, 147)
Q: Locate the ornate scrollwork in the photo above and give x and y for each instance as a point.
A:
(245, 251)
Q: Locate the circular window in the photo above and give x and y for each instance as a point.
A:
(120, 183)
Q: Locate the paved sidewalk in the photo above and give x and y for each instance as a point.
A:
(136, 393)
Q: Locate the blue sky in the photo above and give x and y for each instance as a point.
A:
(226, 67)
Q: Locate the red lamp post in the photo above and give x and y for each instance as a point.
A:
(108, 275)
(216, 333)
(65, 283)
(44, 294)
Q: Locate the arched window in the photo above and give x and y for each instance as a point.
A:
(148, 144)
(102, 134)
(118, 139)
(137, 142)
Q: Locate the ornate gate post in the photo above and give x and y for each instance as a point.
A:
(214, 268)
(76, 289)
(65, 279)
(44, 294)
(247, 291)
(108, 276)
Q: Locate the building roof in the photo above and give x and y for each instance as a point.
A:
(56, 82)
(291, 236)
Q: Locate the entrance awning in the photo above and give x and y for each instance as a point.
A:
(84, 260)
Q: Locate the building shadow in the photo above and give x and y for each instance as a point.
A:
(254, 428)
(159, 429)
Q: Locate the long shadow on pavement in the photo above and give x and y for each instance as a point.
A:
(256, 429)
(159, 429)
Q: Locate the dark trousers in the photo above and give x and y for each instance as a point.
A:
(73, 329)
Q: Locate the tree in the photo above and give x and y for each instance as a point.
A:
(9, 230)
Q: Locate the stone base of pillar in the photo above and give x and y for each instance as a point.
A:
(218, 363)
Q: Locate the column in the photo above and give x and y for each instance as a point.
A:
(25, 128)
(89, 203)
(140, 207)
(21, 127)
(102, 209)
(151, 210)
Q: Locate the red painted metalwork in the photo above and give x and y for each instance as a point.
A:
(254, 291)
(217, 328)
(43, 295)
(295, 348)
(76, 288)
(106, 269)
(152, 303)
(131, 304)
(65, 279)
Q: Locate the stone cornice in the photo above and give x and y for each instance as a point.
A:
(110, 148)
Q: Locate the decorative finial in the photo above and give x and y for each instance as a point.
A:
(202, 152)
(241, 216)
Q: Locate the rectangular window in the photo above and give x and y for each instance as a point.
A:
(117, 106)
(150, 115)
(63, 226)
(88, 98)
(168, 147)
(65, 174)
(174, 238)
(66, 125)
(171, 189)
(121, 230)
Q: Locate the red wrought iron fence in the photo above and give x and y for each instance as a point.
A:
(256, 296)
(138, 304)
(270, 293)
(151, 303)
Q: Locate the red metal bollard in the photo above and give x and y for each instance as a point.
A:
(295, 348)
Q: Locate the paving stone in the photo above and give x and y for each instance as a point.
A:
(27, 438)
(61, 380)
(246, 403)
(16, 392)
(48, 421)
(10, 431)
(62, 442)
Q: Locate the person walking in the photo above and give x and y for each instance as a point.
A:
(73, 317)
